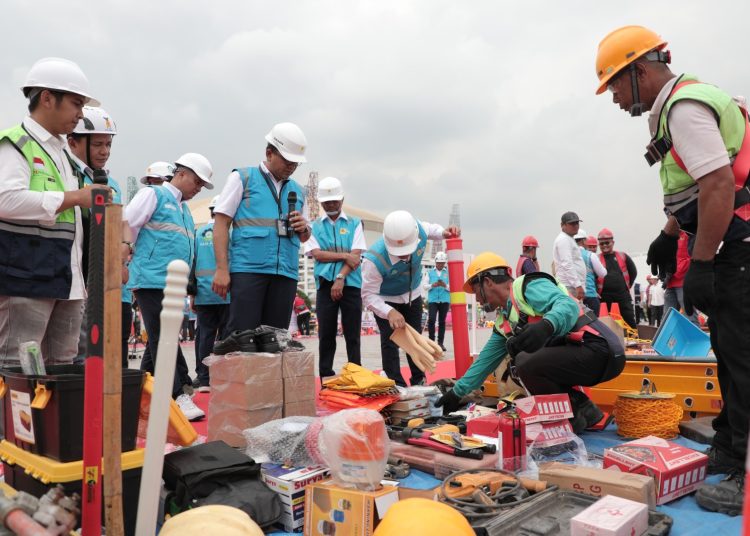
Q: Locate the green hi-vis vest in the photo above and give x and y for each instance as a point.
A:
(680, 189)
(521, 312)
(36, 258)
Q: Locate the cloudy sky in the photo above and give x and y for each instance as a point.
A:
(414, 104)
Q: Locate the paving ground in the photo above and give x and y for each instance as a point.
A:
(370, 348)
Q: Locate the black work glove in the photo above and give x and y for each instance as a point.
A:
(533, 337)
(698, 288)
(662, 255)
(450, 402)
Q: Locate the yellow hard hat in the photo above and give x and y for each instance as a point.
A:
(621, 48)
(481, 263)
(423, 517)
(212, 519)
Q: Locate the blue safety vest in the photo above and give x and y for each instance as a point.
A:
(590, 275)
(438, 294)
(396, 276)
(337, 237)
(256, 245)
(167, 236)
(205, 267)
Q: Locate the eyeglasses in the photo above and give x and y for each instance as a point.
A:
(615, 80)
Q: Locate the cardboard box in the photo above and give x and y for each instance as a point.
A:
(305, 408)
(244, 367)
(247, 396)
(299, 389)
(289, 483)
(412, 414)
(600, 482)
(676, 470)
(409, 493)
(330, 509)
(297, 364)
(611, 516)
(227, 424)
(547, 434)
(409, 405)
(544, 408)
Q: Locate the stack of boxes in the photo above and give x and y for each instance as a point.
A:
(405, 410)
(298, 376)
(247, 390)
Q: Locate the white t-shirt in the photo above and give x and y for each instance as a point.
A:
(570, 269)
(656, 295)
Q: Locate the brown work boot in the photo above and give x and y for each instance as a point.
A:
(726, 497)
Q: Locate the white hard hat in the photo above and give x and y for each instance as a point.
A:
(60, 75)
(158, 170)
(290, 141)
(199, 165)
(213, 202)
(580, 235)
(400, 233)
(441, 257)
(95, 121)
(330, 189)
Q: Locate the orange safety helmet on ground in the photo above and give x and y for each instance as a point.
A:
(481, 263)
(529, 242)
(605, 234)
(591, 241)
(423, 517)
(623, 47)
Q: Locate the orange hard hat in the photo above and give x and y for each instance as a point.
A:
(621, 48)
(605, 234)
(529, 242)
(591, 241)
(482, 263)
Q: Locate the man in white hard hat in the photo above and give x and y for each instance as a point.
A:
(211, 309)
(157, 173)
(41, 233)
(336, 244)
(391, 275)
(438, 298)
(263, 205)
(163, 228)
(91, 145)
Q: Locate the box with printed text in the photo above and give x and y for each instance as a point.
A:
(289, 483)
(544, 408)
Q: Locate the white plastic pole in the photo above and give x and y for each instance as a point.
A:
(156, 434)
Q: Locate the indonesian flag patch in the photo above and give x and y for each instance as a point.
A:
(39, 164)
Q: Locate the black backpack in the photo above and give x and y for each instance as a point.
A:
(215, 473)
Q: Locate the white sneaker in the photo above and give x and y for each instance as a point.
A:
(189, 409)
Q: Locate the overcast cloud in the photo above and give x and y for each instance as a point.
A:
(414, 104)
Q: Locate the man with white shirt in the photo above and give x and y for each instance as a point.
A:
(700, 136)
(391, 277)
(163, 228)
(655, 300)
(264, 267)
(336, 244)
(569, 267)
(41, 233)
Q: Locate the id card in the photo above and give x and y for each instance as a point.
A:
(281, 228)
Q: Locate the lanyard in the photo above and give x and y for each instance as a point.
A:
(274, 193)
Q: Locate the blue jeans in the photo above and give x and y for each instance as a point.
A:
(673, 298)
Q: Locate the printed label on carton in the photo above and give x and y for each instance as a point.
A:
(23, 424)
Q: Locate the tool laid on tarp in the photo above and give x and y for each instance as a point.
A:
(423, 438)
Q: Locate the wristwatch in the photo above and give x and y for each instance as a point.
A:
(130, 246)
(340, 276)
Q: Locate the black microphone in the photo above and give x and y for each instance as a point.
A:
(292, 200)
(100, 177)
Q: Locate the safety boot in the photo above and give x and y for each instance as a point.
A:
(726, 497)
(237, 341)
(719, 463)
(585, 415)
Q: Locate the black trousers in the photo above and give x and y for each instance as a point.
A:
(391, 363)
(656, 311)
(558, 369)
(638, 313)
(149, 301)
(127, 324)
(260, 299)
(730, 338)
(212, 321)
(439, 310)
(303, 323)
(626, 306)
(593, 303)
(327, 310)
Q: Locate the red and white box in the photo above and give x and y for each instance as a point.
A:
(611, 516)
(544, 408)
(677, 470)
(547, 434)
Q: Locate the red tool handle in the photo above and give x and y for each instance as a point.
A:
(474, 454)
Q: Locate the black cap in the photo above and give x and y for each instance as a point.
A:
(570, 217)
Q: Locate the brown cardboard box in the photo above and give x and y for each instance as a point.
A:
(227, 424)
(247, 396)
(305, 408)
(297, 364)
(431, 494)
(243, 367)
(600, 482)
(299, 389)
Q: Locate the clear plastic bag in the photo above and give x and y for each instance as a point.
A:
(570, 449)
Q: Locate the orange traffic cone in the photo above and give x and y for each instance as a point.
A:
(603, 310)
(615, 312)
